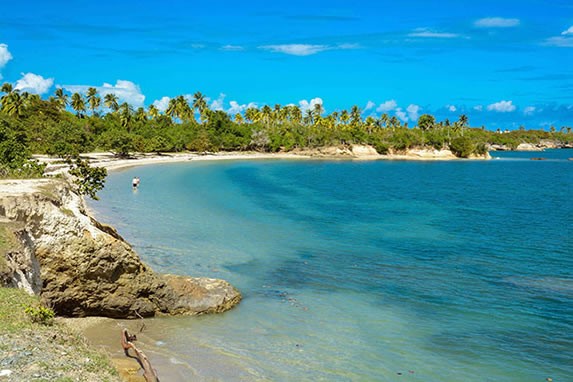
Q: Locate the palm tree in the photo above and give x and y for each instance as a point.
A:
(317, 111)
(14, 104)
(394, 122)
(172, 108)
(153, 111)
(78, 104)
(62, 98)
(184, 111)
(125, 113)
(252, 114)
(6, 88)
(110, 101)
(140, 115)
(308, 118)
(370, 123)
(384, 120)
(93, 99)
(239, 118)
(267, 115)
(200, 103)
(344, 116)
(463, 121)
(355, 116)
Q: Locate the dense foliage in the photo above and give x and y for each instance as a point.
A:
(65, 125)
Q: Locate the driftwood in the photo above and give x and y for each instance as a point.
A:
(149, 373)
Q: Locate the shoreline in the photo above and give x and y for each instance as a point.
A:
(110, 162)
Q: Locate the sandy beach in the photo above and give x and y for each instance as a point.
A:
(357, 152)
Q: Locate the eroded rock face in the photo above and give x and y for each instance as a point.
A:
(87, 269)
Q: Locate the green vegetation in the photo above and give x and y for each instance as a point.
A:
(66, 125)
(40, 314)
(12, 310)
(53, 348)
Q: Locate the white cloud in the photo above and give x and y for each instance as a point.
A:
(478, 108)
(452, 108)
(232, 48)
(401, 114)
(162, 104)
(126, 91)
(427, 33)
(502, 107)
(529, 110)
(305, 105)
(413, 112)
(348, 46)
(34, 83)
(296, 49)
(238, 108)
(564, 33)
(219, 102)
(369, 105)
(496, 22)
(5, 55)
(562, 42)
(387, 106)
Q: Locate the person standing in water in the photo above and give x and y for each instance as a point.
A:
(135, 183)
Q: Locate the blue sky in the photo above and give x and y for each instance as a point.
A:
(503, 63)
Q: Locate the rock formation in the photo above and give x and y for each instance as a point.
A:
(81, 267)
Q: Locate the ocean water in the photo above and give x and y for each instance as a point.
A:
(359, 271)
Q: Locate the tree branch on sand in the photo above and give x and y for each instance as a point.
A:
(149, 372)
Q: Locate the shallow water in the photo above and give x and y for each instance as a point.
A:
(360, 271)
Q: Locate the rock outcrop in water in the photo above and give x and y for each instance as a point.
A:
(81, 267)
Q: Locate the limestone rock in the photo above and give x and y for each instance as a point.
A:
(85, 268)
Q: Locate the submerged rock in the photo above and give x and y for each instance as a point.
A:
(81, 267)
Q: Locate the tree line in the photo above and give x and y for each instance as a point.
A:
(65, 125)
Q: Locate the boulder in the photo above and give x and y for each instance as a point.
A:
(81, 267)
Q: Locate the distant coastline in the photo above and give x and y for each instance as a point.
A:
(111, 162)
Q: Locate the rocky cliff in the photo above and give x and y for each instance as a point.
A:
(81, 267)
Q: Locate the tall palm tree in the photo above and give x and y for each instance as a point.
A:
(140, 115)
(125, 114)
(344, 117)
(355, 116)
(463, 122)
(78, 104)
(94, 100)
(317, 111)
(252, 114)
(184, 111)
(153, 111)
(200, 103)
(308, 118)
(111, 101)
(267, 115)
(172, 108)
(62, 98)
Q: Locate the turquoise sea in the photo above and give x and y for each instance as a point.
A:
(359, 271)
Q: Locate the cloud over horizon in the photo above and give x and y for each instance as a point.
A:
(125, 90)
(5, 56)
(496, 22)
(34, 83)
(428, 33)
(502, 107)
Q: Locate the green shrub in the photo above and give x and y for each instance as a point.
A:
(40, 314)
(462, 147)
